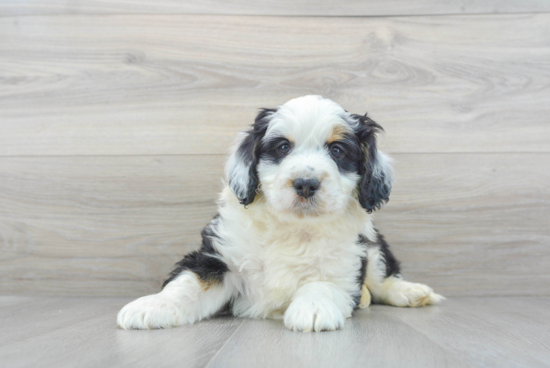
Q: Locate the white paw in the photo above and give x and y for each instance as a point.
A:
(148, 312)
(307, 314)
(408, 294)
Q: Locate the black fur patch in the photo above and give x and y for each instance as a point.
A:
(269, 150)
(227, 309)
(361, 280)
(246, 149)
(362, 271)
(204, 262)
(249, 152)
(373, 190)
(392, 264)
(353, 158)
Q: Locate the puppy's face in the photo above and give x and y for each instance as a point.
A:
(310, 158)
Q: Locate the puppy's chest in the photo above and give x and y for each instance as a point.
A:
(286, 262)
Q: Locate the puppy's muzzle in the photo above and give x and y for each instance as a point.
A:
(306, 187)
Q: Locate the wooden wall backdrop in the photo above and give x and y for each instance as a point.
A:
(272, 7)
(115, 118)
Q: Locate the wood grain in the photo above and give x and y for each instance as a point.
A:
(467, 224)
(159, 84)
(48, 314)
(272, 7)
(472, 224)
(462, 332)
(519, 322)
(68, 332)
(367, 340)
(471, 332)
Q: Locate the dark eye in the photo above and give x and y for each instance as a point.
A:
(336, 152)
(283, 149)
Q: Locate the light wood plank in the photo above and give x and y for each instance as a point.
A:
(65, 332)
(47, 314)
(73, 283)
(503, 332)
(473, 332)
(108, 85)
(467, 224)
(371, 338)
(462, 332)
(272, 7)
(101, 225)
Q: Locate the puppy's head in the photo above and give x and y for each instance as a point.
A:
(310, 157)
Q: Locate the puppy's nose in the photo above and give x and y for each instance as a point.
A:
(306, 187)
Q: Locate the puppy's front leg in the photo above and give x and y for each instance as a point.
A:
(185, 299)
(198, 287)
(318, 306)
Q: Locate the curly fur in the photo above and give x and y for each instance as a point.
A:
(273, 252)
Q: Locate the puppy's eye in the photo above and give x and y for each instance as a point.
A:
(336, 152)
(283, 149)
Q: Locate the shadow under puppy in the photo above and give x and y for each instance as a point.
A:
(294, 238)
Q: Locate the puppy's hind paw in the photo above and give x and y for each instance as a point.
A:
(149, 312)
(408, 294)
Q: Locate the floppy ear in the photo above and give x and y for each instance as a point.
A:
(376, 171)
(240, 169)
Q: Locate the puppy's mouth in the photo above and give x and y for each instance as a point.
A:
(307, 206)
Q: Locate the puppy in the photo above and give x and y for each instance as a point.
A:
(294, 237)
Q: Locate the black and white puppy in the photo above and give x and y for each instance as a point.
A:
(294, 238)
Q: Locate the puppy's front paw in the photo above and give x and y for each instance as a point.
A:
(409, 294)
(148, 312)
(307, 314)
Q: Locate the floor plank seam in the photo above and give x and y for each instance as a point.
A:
(223, 346)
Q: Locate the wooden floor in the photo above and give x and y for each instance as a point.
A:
(462, 332)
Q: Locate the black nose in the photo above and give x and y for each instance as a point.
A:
(306, 187)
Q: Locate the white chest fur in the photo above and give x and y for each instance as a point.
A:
(270, 260)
